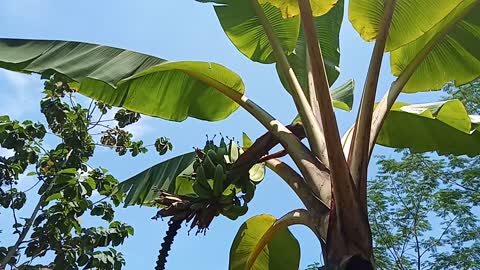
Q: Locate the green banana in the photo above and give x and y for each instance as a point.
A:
(201, 183)
(201, 191)
(234, 211)
(212, 155)
(218, 180)
(209, 145)
(222, 143)
(249, 190)
(196, 163)
(220, 156)
(209, 166)
(197, 205)
(226, 200)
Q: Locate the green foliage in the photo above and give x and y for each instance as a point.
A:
(185, 87)
(424, 212)
(365, 16)
(21, 138)
(453, 57)
(444, 127)
(282, 252)
(126, 117)
(162, 145)
(145, 187)
(121, 141)
(243, 27)
(328, 33)
(429, 206)
(67, 186)
(468, 94)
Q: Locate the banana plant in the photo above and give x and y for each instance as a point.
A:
(429, 42)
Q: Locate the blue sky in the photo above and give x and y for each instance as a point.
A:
(176, 30)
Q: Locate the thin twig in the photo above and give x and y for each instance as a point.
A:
(30, 188)
(101, 200)
(441, 236)
(97, 122)
(90, 113)
(14, 213)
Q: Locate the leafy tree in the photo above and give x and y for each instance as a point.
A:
(430, 43)
(468, 93)
(424, 213)
(66, 184)
(424, 210)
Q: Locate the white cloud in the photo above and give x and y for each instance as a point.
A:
(140, 128)
(20, 93)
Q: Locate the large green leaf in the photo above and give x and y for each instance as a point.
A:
(342, 97)
(328, 32)
(169, 176)
(282, 253)
(454, 57)
(290, 8)
(243, 28)
(138, 82)
(444, 127)
(411, 18)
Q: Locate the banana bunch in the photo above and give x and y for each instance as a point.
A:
(216, 185)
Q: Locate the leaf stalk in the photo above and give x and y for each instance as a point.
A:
(359, 156)
(312, 126)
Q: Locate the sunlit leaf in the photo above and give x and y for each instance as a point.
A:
(166, 176)
(290, 8)
(138, 82)
(455, 55)
(243, 28)
(281, 253)
(328, 32)
(411, 18)
(444, 127)
(342, 97)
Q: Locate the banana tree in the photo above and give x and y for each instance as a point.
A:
(430, 43)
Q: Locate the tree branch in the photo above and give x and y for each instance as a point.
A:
(439, 238)
(262, 146)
